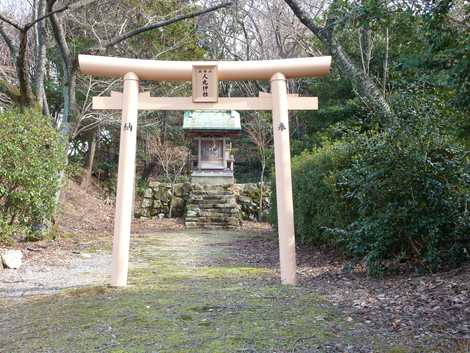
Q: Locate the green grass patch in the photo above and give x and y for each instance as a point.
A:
(176, 303)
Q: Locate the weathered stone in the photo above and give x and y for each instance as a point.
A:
(178, 190)
(191, 214)
(147, 203)
(251, 189)
(163, 194)
(197, 187)
(241, 200)
(143, 213)
(154, 184)
(12, 259)
(177, 203)
(212, 207)
(186, 188)
(236, 188)
(148, 193)
(244, 199)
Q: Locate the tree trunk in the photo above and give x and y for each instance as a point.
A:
(40, 65)
(69, 69)
(386, 62)
(365, 44)
(364, 84)
(89, 162)
(170, 208)
(260, 212)
(27, 97)
(148, 169)
(70, 101)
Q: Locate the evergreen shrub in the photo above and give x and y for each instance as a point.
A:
(400, 194)
(31, 157)
(317, 199)
(409, 187)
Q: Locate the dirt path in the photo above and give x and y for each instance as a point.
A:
(211, 292)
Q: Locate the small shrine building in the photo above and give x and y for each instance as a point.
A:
(212, 160)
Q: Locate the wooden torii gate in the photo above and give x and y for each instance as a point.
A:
(204, 77)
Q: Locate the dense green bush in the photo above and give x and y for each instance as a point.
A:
(31, 156)
(409, 187)
(401, 193)
(317, 200)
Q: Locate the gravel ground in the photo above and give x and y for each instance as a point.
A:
(66, 271)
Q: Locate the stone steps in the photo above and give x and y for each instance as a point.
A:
(207, 199)
(212, 207)
(231, 201)
(207, 212)
(213, 220)
(212, 193)
(211, 226)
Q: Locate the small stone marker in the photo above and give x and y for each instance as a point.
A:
(12, 259)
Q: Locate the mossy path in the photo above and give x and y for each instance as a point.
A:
(183, 297)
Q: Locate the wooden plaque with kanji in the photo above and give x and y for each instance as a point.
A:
(205, 83)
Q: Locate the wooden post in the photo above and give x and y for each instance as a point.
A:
(285, 207)
(199, 153)
(125, 182)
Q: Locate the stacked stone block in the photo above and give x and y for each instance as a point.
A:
(212, 206)
(197, 201)
(248, 197)
(159, 196)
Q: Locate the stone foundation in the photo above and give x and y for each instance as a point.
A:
(248, 197)
(186, 197)
(158, 198)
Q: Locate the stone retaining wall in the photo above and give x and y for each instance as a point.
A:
(248, 197)
(158, 197)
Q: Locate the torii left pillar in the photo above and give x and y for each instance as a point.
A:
(125, 182)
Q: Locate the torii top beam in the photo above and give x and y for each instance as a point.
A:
(160, 70)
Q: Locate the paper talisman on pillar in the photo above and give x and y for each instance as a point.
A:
(205, 84)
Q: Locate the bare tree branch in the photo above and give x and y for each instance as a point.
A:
(27, 26)
(79, 4)
(40, 58)
(11, 23)
(20, 54)
(32, 23)
(159, 24)
(362, 82)
(11, 46)
(59, 35)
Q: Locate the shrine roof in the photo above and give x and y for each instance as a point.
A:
(211, 120)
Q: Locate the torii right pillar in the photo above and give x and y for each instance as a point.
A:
(285, 205)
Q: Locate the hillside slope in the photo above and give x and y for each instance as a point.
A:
(83, 212)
